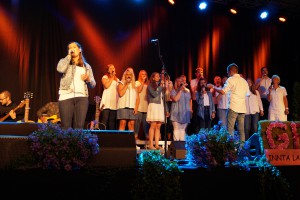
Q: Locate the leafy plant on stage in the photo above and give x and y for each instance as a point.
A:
(212, 147)
(272, 185)
(55, 148)
(157, 178)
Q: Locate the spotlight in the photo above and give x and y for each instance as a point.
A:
(202, 5)
(282, 18)
(233, 11)
(172, 2)
(233, 6)
(264, 14)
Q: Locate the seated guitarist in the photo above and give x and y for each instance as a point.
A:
(7, 107)
(49, 112)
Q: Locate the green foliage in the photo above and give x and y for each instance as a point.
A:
(212, 147)
(158, 178)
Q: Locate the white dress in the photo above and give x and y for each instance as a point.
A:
(155, 112)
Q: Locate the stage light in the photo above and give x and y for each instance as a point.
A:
(282, 18)
(172, 2)
(264, 14)
(233, 6)
(233, 11)
(202, 5)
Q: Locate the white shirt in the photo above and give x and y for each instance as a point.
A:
(223, 100)
(143, 106)
(110, 95)
(263, 88)
(128, 100)
(76, 88)
(277, 107)
(253, 103)
(193, 84)
(239, 89)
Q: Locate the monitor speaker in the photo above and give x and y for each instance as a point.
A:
(117, 149)
(177, 150)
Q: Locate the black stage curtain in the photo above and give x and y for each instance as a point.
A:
(34, 36)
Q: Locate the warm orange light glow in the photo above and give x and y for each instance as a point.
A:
(216, 41)
(8, 33)
(101, 47)
(282, 19)
(233, 11)
(171, 2)
(203, 56)
(15, 44)
(261, 56)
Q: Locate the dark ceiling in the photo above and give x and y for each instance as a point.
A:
(289, 7)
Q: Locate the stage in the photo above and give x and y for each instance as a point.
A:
(113, 172)
(118, 183)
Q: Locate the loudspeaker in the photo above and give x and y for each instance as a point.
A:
(12, 148)
(255, 149)
(117, 149)
(177, 150)
(17, 128)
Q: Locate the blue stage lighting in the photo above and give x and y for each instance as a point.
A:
(202, 5)
(264, 14)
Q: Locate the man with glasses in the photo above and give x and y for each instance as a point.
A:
(7, 107)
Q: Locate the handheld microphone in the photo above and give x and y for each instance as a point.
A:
(158, 83)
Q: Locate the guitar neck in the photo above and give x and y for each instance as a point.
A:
(26, 110)
(16, 108)
(97, 115)
(7, 115)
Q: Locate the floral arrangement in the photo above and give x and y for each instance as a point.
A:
(280, 137)
(55, 148)
(157, 178)
(296, 136)
(212, 147)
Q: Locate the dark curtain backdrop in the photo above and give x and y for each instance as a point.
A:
(34, 35)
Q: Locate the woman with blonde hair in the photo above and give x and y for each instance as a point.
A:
(142, 85)
(180, 109)
(128, 101)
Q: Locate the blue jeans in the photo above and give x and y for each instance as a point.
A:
(73, 112)
(232, 118)
(108, 117)
(222, 114)
(251, 124)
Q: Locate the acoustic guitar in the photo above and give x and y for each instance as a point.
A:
(95, 124)
(53, 119)
(16, 108)
(27, 96)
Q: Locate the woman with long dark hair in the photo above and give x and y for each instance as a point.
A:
(77, 76)
(155, 111)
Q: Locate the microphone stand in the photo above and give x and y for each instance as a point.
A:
(164, 72)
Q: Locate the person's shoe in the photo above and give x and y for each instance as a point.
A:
(158, 148)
